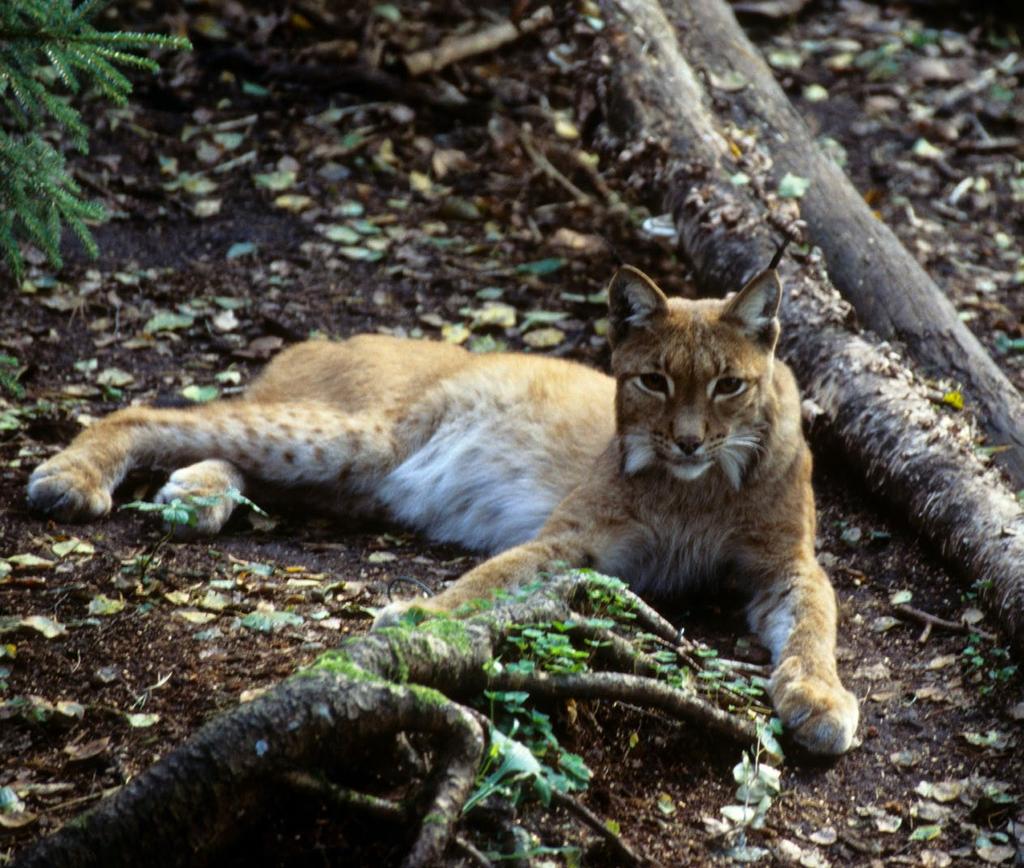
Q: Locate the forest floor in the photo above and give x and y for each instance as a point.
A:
(263, 192)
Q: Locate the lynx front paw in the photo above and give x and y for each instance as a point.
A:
(69, 488)
(209, 481)
(819, 713)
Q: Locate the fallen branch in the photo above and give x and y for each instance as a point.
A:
(479, 42)
(918, 458)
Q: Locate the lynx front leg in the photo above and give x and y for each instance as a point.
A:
(795, 617)
(211, 478)
(286, 444)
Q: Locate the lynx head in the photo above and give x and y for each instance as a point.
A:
(694, 378)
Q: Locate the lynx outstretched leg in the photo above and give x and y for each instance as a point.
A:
(211, 478)
(286, 444)
(796, 620)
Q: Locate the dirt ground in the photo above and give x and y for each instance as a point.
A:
(262, 192)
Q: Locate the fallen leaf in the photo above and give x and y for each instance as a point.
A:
(77, 753)
(293, 202)
(241, 248)
(29, 562)
(115, 378)
(276, 181)
(271, 621)
(165, 321)
(47, 626)
(884, 623)
(101, 604)
(207, 208)
(74, 545)
(825, 837)
(926, 833)
(194, 616)
(941, 791)
(142, 721)
(545, 338)
(541, 266)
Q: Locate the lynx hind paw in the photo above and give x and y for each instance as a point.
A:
(68, 489)
(819, 714)
(189, 482)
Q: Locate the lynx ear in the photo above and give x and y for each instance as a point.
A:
(755, 308)
(634, 301)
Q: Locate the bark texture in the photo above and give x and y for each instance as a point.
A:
(917, 456)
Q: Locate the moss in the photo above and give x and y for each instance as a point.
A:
(473, 607)
(337, 662)
(398, 643)
(428, 695)
(449, 631)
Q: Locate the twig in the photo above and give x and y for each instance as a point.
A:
(470, 852)
(909, 613)
(548, 168)
(458, 48)
(340, 797)
(591, 819)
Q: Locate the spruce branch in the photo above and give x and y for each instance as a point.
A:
(47, 46)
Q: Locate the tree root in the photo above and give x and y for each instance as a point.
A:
(312, 728)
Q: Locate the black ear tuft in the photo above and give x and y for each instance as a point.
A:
(634, 301)
(755, 308)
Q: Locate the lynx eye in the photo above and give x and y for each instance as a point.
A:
(727, 387)
(654, 382)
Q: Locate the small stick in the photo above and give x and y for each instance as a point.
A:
(470, 852)
(911, 614)
(541, 161)
(589, 818)
(340, 797)
(458, 48)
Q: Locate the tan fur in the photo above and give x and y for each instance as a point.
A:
(688, 466)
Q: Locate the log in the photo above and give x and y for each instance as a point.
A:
(919, 458)
(891, 293)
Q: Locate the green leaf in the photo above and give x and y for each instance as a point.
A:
(101, 604)
(926, 833)
(793, 186)
(165, 321)
(276, 181)
(200, 394)
(271, 622)
(49, 628)
(541, 266)
(241, 248)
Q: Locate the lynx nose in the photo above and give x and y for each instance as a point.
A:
(689, 444)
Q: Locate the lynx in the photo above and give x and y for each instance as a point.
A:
(687, 466)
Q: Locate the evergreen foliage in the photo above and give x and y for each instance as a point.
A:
(49, 46)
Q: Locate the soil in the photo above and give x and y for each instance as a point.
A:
(265, 193)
